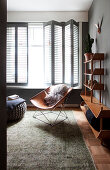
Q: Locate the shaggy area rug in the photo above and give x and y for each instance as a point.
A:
(34, 145)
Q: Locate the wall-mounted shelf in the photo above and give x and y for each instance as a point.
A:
(95, 106)
(95, 87)
(94, 71)
(96, 56)
(100, 111)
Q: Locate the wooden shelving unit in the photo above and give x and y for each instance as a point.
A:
(91, 72)
(96, 71)
(98, 109)
(95, 87)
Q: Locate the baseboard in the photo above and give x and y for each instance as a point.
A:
(65, 105)
(72, 105)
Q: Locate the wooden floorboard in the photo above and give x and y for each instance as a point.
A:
(99, 153)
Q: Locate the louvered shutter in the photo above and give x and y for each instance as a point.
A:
(58, 59)
(75, 55)
(47, 54)
(71, 53)
(22, 55)
(17, 41)
(10, 59)
(67, 54)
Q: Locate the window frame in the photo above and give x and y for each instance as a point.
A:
(16, 25)
(52, 23)
(63, 24)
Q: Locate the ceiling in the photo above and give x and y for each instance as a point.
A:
(49, 5)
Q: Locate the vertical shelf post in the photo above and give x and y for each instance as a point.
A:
(100, 83)
(85, 78)
(91, 79)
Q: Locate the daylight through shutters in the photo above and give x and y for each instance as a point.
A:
(72, 53)
(22, 55)
(58, 59)
(10, 71)
(47, 53)
(58, 41)
(17, 41)
(75, 55)
(68, 54)
(61, 52)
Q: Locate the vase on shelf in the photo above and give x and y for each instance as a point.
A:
(88, 48)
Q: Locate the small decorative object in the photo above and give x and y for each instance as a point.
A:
(94, 82)
(89, 82)
(88, 48)
(98, 26)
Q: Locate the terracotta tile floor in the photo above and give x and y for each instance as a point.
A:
(100, 154)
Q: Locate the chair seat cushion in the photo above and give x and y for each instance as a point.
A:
(55, 93)
(58, 89)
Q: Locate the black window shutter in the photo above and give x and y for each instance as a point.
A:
(53, 52)
(71, 53)
(58, 53)
(22, 61)
(48, 52)
(10, 59)
(75, 54)
(17, 53)
(68, 55)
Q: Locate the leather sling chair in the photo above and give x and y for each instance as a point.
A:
(39, 102)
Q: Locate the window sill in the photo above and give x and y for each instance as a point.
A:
(26, 87)
(36, 87)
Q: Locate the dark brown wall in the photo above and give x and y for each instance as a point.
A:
(99, 9)
(3, 15)
(28, 93)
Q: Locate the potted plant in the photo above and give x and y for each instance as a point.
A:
(88, 47)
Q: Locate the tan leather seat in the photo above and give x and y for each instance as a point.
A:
(38, 100)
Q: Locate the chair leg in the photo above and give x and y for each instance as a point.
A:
(60, 121)
(41, 113)
(60, 113)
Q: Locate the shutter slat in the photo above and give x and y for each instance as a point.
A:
(22, 55)
(75, 55)
(58, 70)
(47, 54)
(10, 60)
(67, 55)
